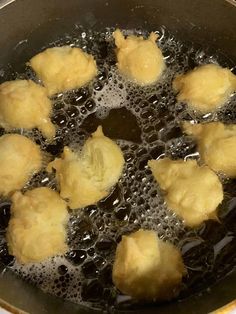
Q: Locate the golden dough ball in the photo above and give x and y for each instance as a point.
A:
(37, 227)
(64, 68)
(24, 104)
(216, 144)
(86, 178)
(147, 268)
(139, 59)
(102, 159)
(205, 88)
(193, 192)
(20, 158)
(75, 184)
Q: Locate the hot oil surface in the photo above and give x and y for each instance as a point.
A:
(145, 123)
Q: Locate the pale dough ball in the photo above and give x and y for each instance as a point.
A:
(37, 228)
(147, 268)
(88, 177)
(205, 88)
(75, 184)
(193, 192)
(20, 158)
(139, 59)
(64, 68)
(216, 144)
(24, 104)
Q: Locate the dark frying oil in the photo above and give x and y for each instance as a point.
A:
(145, 123)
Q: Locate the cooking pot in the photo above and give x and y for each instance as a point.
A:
(28, 25)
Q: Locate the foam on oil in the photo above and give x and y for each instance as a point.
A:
(83, 275)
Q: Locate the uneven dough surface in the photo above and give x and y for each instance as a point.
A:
(147, 268)
(216, 144)
(205, 88)
(139, 59)
(37, 228)
(193, 192)
(64, 68)
(24, 104)
(20, 158)
(87, 177)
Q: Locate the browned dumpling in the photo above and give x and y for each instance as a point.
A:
(37, 228)
(147, 268)
(24, 104)
(20, 158)
(64, 68)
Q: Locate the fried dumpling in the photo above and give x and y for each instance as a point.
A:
(139, 59)
(37, 227)
(205, 88)
(87, 177)
(20, 158)
(193, 192)
(64, 68)
(147, 268)
(24, 104)
(216, 144)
